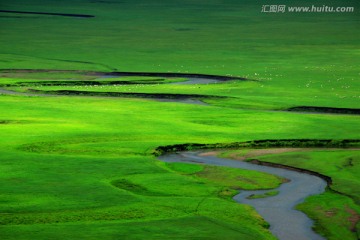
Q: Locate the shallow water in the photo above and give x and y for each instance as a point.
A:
(286, 223)
(198, 81)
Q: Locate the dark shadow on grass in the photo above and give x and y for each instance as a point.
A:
(27, 17)
(127, 74)
(332, 110)
(169, 96)
(83, 83)
(135, 188)
(266, 143)
(51, 14)
(106, 2)
(180, 75)
(7, 121)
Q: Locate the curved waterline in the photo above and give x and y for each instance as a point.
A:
(204, 78)
(191, 78)
(285, 222)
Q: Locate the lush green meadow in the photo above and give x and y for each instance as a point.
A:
(60, 164)
(82, 167)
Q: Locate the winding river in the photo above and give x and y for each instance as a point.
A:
(286, 223)
(179, 98)
(190, 79)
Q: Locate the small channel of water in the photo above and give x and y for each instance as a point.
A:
(286, 223)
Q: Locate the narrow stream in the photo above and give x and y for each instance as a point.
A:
(188, 81)
(286, 223)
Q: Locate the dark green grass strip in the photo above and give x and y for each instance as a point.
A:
(325, 110)
(83, 83)
(268, 143)
(126, 95)
(185, 75)
(129, 74)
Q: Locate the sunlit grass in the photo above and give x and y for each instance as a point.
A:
(81, 167)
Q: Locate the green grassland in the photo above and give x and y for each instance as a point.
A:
(231, 179)
(240, 94)
(82, 167)
(59, 163)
